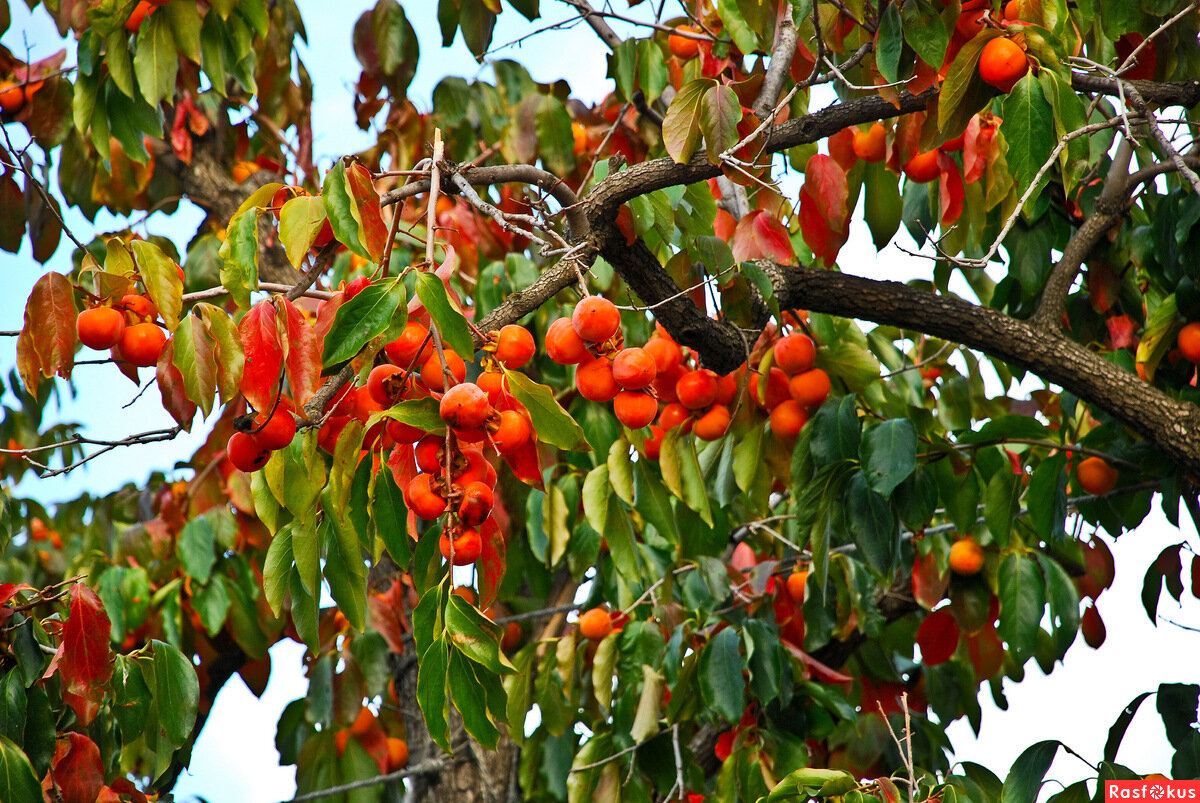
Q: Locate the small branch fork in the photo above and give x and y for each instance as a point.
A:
(151, 436)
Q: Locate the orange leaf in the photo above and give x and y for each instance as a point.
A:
(493, 561)
(387, 615)
(760, 235)
(46, 345)
(264, 355)
(366, 199)
(929, 585)
(950, 189)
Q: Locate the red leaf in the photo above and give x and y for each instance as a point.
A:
(326, 311)
(170, 387)
(1122, 332)
(526, 466)
(302, 349)
(929, 585)
(264, 355)
(950, 189)
(824, 218)
(624, 223)
(841, 148)
(1103, 285)
(978, 147)
(86, 660)
(760, 235)
(387, 615)
(46, 345)
(492, 560)
(77, 770)
(986, 652)
(366, 199)
(937, 637)
(818, 670)
(724, 226)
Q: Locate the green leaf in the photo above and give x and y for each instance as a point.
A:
(721, 681)
(1022, 601)
(475, 636)
(681, 472)
(1027, 125)
(420, 413)
(117, 58)
(195, 549)
(184, 20)
(469, 698)
(645, 719)
(1047, 497)
(239, 252)
(889, 45)
(551, 422)
(871, 523)
(339, 207)
(1117, 732)
(721, 112)
(277, 568)
(450, 322)
(765, 658)
(163, 285)
(925, 31)
(156, 60)
(812, 782)
(432, 671)
(681, 124)
(211, 602)
(963, 92)
(345, 571)
(300, 220)
(391, 518)
(889, 454)
(882, 205)
(1064, 603)
(607, 516)
(556, 141)
(17, 781)
(836, 431)
(192, 353)
(1176, 704)
(368, 315)
(1024, 780)
(176, 691)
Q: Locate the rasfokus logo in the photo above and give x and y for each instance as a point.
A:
(1153, 789)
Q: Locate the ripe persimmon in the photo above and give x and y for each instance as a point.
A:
(397, 753)
(423, 499)
(683, 47)
(727, 388)
(512, 432)
(1002, 63)
(596, 319)
(594, 380)
(428, 453)
(776, 390)
(666, 354)
(467, 547)
(870, 145)
(412, 347)
(635, 408)
(1096, 476)
(810, 388)
(12, 97)
(378, 386)
(363, 722)
(401, 432)
(787, 419)
(923, 167)
(278, 430)
(245, 453)
(431, 372)
(142, 343)
(966, 556)
(100, 327)
(796, 582)
(595, 624)
(795, 353)
(142, 10)
(139, 307)
(652, 446)
(465, 406)
(713, 424)
(697, 389)
(633, 368)
(1189, 342)
(476, 504)
(564, 345)
(514, 346)
(673, 415)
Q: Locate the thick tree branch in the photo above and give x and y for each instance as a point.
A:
(781, 62)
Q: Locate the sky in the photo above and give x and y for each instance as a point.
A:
(234, 757)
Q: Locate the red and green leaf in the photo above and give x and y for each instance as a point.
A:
(302, 351)
(46, 345)
(263, 349)
(84, 657)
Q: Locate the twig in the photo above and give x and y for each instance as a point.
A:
(430, 767)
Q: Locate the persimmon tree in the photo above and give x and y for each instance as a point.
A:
(602, 358)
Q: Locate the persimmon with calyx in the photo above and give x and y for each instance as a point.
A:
(476, 505)
(594, 380)
(633, 368)
(810, 388)
(142, 343)
(870, 145)
(245, 453)
(713, 424)
(681, 46)
(634, 408)
(423, 498)
(795, 353)
(139, 307)
(277, 431)
(564, 345)
(966, 557)
(1096, 476)
(412, 347)
(514, 346)
(512, 432)
(595, 624)
(465, 406)
(697, 390)
(378, 384)
(464, 550)
(1189, 342)
(596, 319)
(428, 453)
(1002, 63)
(923, 167)
(776, 390)
(100, 327)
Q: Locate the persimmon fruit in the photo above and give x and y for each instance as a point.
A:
(1096, 476)
(245, 453)
(1002, 63)
(713, 424)
(1188, 342)
(594, 380)
(966, 557)
(810, 389)
(467, 547)
(514, 346)
(412, 347)
(512, 432)
(596, 319)
(633, 368)
(697, 389)
(278, 430)
(595, 624)
(870, 145)
(100, 327)
(563, 343)
(683, 47)
(142, 343)
(795, 353)
(923, 167)
(423, 499)
(634, 408)
(465, 406)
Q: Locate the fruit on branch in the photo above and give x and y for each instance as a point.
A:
(1002, 63)
(563, 343)
(1188, 342)
(596, 319)
(423, 498)
(665, 352)
(652, 446)
(465, 548)
(465, 406)
(355, 286)
(397, 750)
(512, 432)
(380, 386)
(633, 368)
(428, 453)
(432, 374)
(595, 624)
(697, 390)
(514, 346)
(143, 9)
(245, 453)
(673, 415)
(1096, 476)
(683, 47)
(100, 328)
(476, 505)
(966, 556)
(713, 424)
(635, 408)
(12, 97)
(923, 167)
(810, 388)
(142, 343)
(775, 392)
(787, 419)
(870, 145)
(795, 353)
(138, 308)
(796, 583)
(243, 170)
(412, 347)
(595, 381)
(279, 429)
